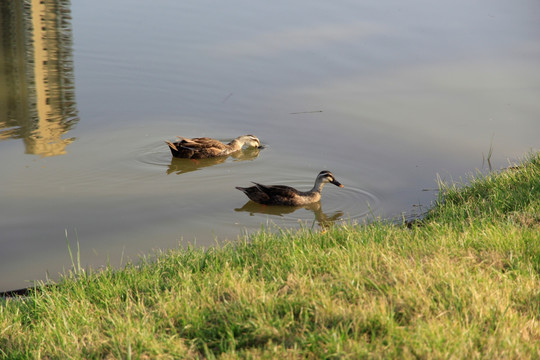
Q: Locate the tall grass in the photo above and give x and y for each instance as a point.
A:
(462, 284)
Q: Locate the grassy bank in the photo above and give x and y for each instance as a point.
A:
(464, 283)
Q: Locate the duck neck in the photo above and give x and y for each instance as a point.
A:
(235, 145)
(317, 188)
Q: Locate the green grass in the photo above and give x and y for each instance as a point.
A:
(464, 283)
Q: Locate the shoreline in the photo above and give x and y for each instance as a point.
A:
(462, 283)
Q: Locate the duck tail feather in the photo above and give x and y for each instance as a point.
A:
(171, 145)
(244, 190)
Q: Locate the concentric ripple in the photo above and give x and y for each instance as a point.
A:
(156, 154)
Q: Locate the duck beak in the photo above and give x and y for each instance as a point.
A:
(337, 183)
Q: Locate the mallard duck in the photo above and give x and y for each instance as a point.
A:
(204, 147)
(286, 195)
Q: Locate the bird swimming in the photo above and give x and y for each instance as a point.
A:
(286, 195)
(204, 147)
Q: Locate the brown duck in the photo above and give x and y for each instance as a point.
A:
(204, 147)
(286, 195)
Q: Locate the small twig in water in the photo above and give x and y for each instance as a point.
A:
(306, 112)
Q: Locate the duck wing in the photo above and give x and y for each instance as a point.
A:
(277, 190)
(197, 148)
(202, 143)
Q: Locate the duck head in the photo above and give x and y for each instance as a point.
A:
(326, 176)
(250, 140)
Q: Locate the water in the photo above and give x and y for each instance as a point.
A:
(388, 96)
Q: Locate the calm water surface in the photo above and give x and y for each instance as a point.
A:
(386, 95)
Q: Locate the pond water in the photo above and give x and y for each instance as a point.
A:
(389, 96)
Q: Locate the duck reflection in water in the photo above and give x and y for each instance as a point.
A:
(182, 166)
(324, 220)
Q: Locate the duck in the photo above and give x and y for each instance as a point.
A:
(289, 196)
(205, 147)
